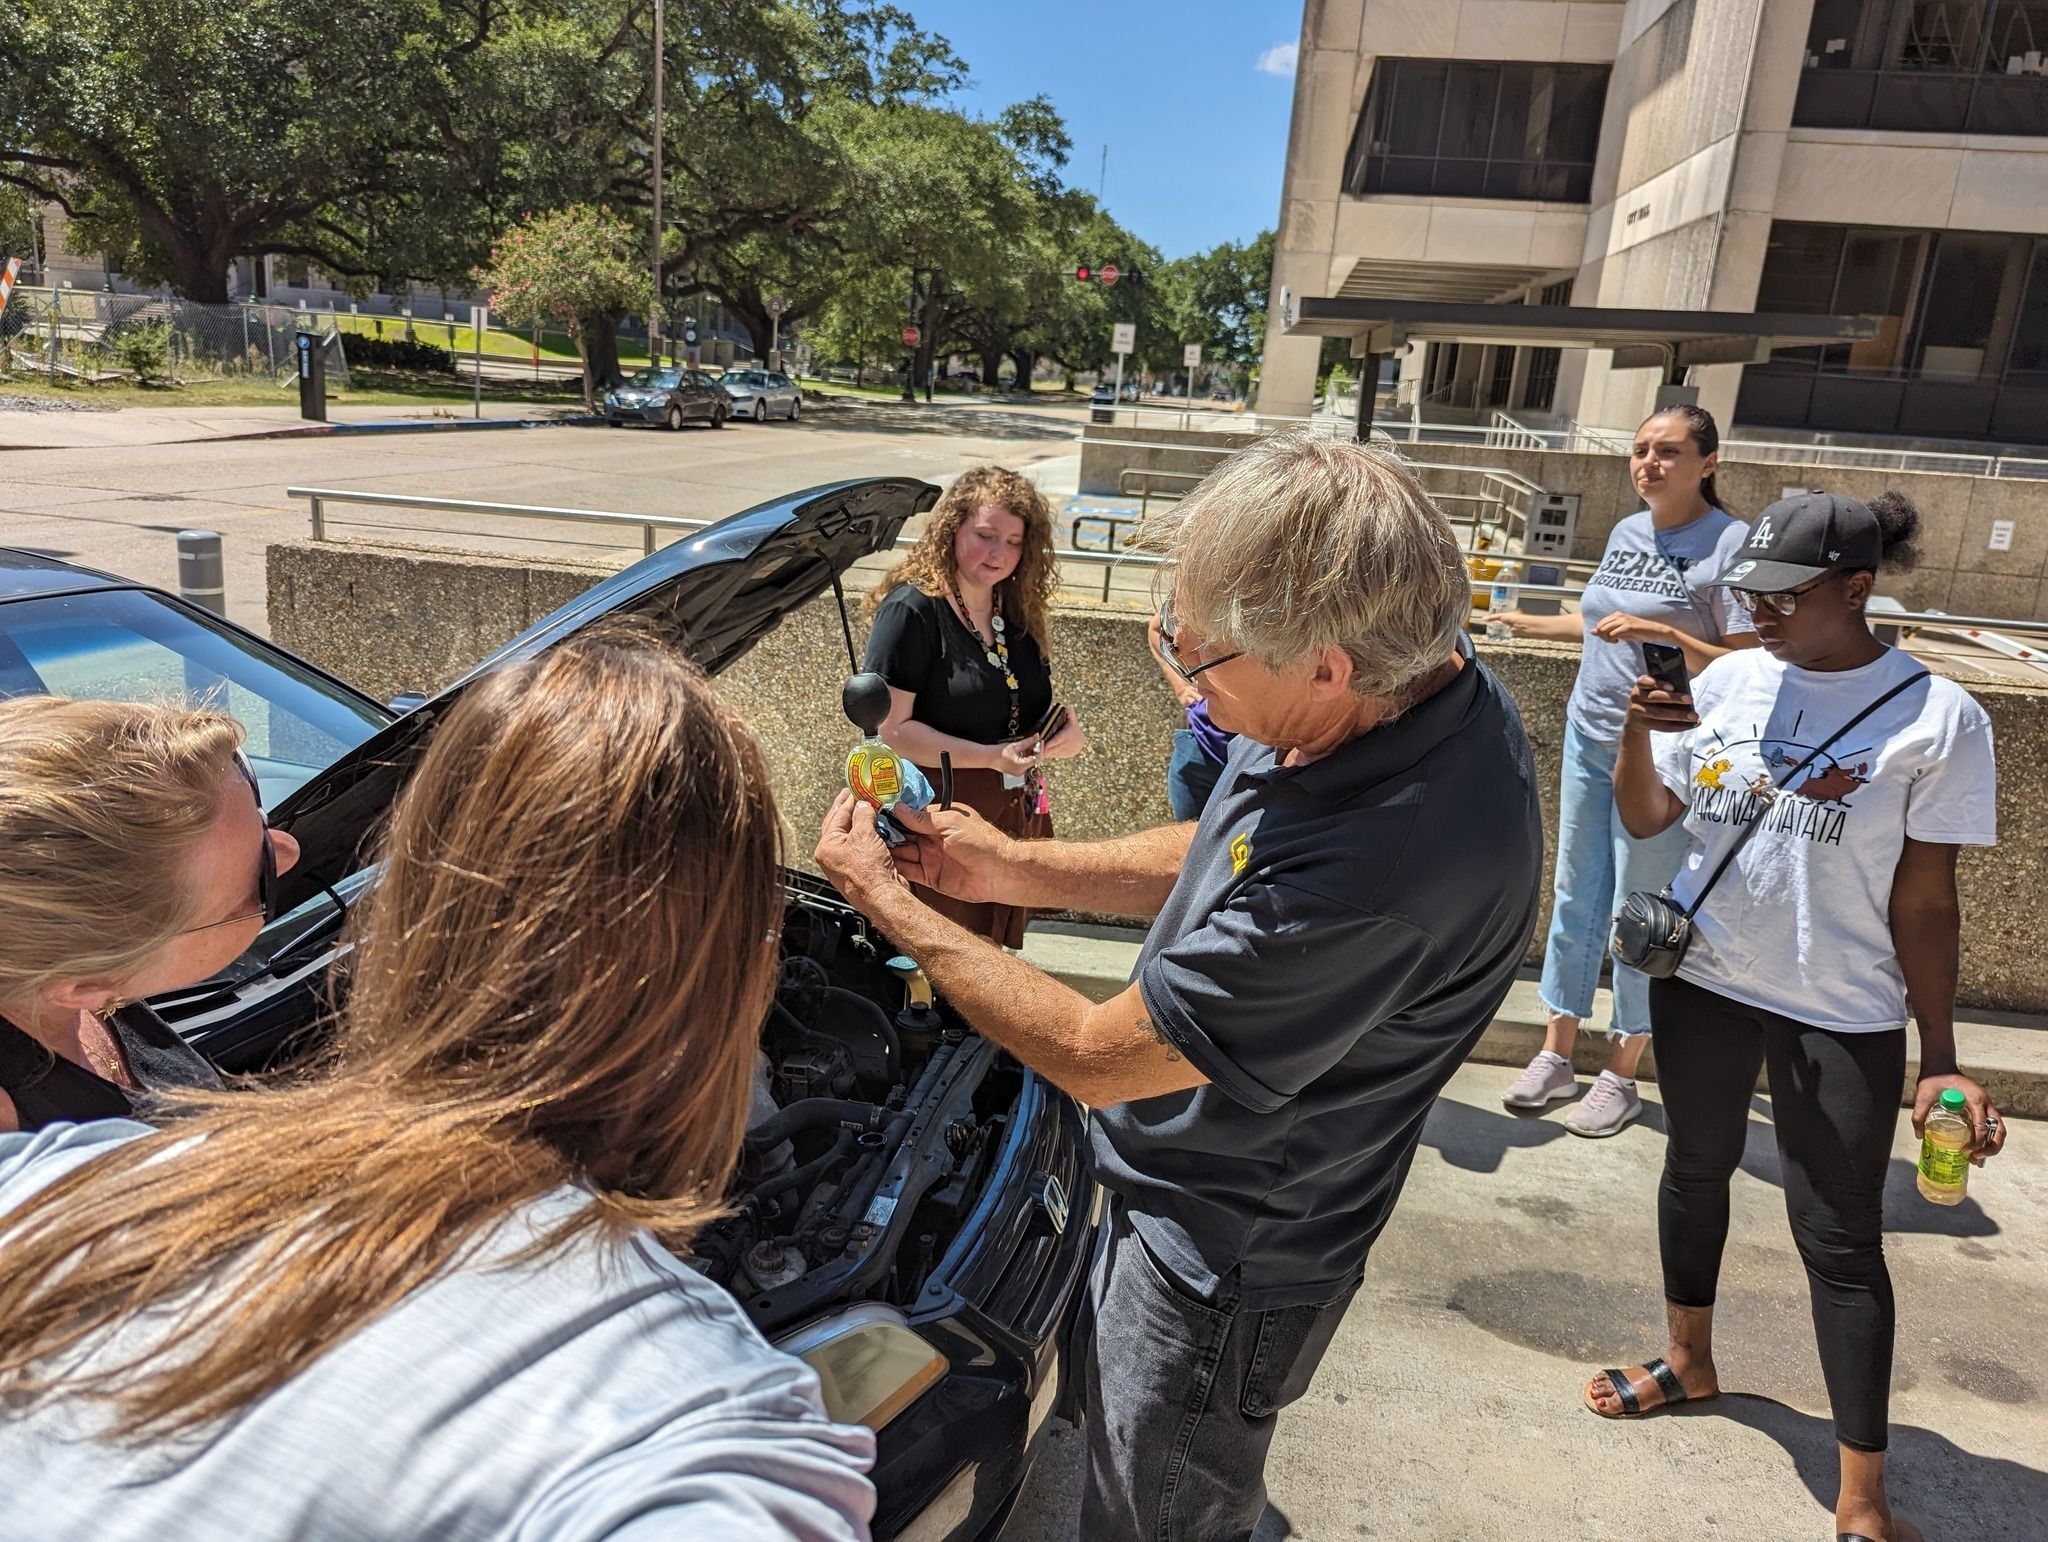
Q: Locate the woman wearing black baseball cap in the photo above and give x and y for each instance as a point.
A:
(1828, 781)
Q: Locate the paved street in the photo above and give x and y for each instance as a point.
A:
(1521, 1259)
(118, 505)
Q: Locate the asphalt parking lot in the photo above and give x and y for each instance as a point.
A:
(118, 505)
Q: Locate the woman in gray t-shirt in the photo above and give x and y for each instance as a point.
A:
(1651, 586)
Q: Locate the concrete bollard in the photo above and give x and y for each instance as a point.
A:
(202, 575)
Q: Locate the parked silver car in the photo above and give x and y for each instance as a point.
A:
(762, 394)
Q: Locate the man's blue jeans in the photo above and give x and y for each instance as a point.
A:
(1182, 1395)
(1598, 865)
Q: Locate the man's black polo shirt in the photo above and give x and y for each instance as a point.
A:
(1341, 935)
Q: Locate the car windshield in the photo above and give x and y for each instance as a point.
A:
(125, 645)
(752, 377)
(664, 378)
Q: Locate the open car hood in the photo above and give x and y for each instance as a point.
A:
(722, 590)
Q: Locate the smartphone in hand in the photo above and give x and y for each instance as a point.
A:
(1665, 664)
(1055, 720)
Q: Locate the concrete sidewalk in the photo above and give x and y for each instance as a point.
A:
(1521, 1260)
(130, 427)
(2007, 1054)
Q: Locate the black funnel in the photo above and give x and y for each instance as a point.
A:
(865, 698)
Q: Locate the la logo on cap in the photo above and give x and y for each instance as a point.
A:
(1763, 532)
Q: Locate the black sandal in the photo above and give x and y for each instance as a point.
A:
(1631, 1406)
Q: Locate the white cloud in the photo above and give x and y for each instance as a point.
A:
(1279, 60)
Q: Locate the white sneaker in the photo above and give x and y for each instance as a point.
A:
(1609, 1107)
(1545, 1081)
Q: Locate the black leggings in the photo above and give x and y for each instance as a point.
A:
(1834, 1106)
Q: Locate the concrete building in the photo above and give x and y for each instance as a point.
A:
(1882, 157)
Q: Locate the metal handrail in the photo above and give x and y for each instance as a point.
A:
(319, 497)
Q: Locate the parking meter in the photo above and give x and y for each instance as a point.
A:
(312, 378)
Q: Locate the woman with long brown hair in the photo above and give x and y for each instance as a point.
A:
(431, 1287)
(135, 858)
(962, 634)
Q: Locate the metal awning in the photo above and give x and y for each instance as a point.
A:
(1640, 339)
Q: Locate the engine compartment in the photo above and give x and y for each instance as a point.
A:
(876, 1116)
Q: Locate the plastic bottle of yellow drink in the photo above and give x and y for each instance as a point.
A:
(1945, 1150)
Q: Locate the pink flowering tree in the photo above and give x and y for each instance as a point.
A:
(578, 268)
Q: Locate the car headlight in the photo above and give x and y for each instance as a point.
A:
(871, 1365)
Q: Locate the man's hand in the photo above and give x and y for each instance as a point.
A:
(1987, 1130)
(851, 854)
(952, 850)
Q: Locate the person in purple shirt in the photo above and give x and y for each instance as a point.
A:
(1199, 749)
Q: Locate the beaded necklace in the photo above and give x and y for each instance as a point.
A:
(997, 653)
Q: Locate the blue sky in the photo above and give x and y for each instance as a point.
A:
(1196, 128)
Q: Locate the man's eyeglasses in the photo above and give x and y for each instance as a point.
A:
(1783, 603)
(1172, 654)
(266, 868)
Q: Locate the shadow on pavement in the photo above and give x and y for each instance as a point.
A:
(901, 418)
(1944, 1489)
(1478, 1140)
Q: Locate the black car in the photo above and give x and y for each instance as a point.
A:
(667, 398)
(918, 1217)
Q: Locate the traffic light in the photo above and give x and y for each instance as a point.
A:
(1083, 273)
(1134, 276)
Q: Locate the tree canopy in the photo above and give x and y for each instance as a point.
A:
(811, 157)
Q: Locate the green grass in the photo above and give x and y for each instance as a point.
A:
(460, 338)
(372, 388)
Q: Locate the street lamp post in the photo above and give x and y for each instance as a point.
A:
(654, 304)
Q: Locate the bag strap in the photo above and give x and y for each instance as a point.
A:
(1814, 754)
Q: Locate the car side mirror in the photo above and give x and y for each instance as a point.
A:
(405, 701)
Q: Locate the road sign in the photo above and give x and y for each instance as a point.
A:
(1124, 338)
(1191, 355)
(910, 337)
(775, 307)
(1109, 273)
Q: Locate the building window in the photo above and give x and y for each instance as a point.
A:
(1539, 390)
(1962, 343)
(1468, 129)
(1952, 66)
(2028, 364)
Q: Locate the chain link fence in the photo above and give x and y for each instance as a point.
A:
(93, 338)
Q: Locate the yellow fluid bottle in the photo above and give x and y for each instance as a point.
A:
(1945, 1150)
(874, 774)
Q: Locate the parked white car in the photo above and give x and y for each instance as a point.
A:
(762, 394)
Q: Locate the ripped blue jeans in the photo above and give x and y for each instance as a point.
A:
(1599, 864)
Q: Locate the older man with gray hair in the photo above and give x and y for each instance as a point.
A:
(1330, 940)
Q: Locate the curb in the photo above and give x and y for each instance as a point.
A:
(2008, 1056)
(439, 426)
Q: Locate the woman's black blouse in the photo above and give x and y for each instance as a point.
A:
(919, 644)
(45, 1088)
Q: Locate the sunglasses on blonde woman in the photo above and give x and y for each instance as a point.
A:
(266, 863)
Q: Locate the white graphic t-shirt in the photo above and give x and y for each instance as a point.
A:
(1800, 923)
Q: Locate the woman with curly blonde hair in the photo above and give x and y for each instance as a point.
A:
(961, 635)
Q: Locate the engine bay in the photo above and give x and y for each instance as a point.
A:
(876, 1116)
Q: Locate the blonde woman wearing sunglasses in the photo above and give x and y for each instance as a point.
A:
(134, 859)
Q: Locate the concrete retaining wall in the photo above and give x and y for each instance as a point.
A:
(392, 619)
(1958, 571)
